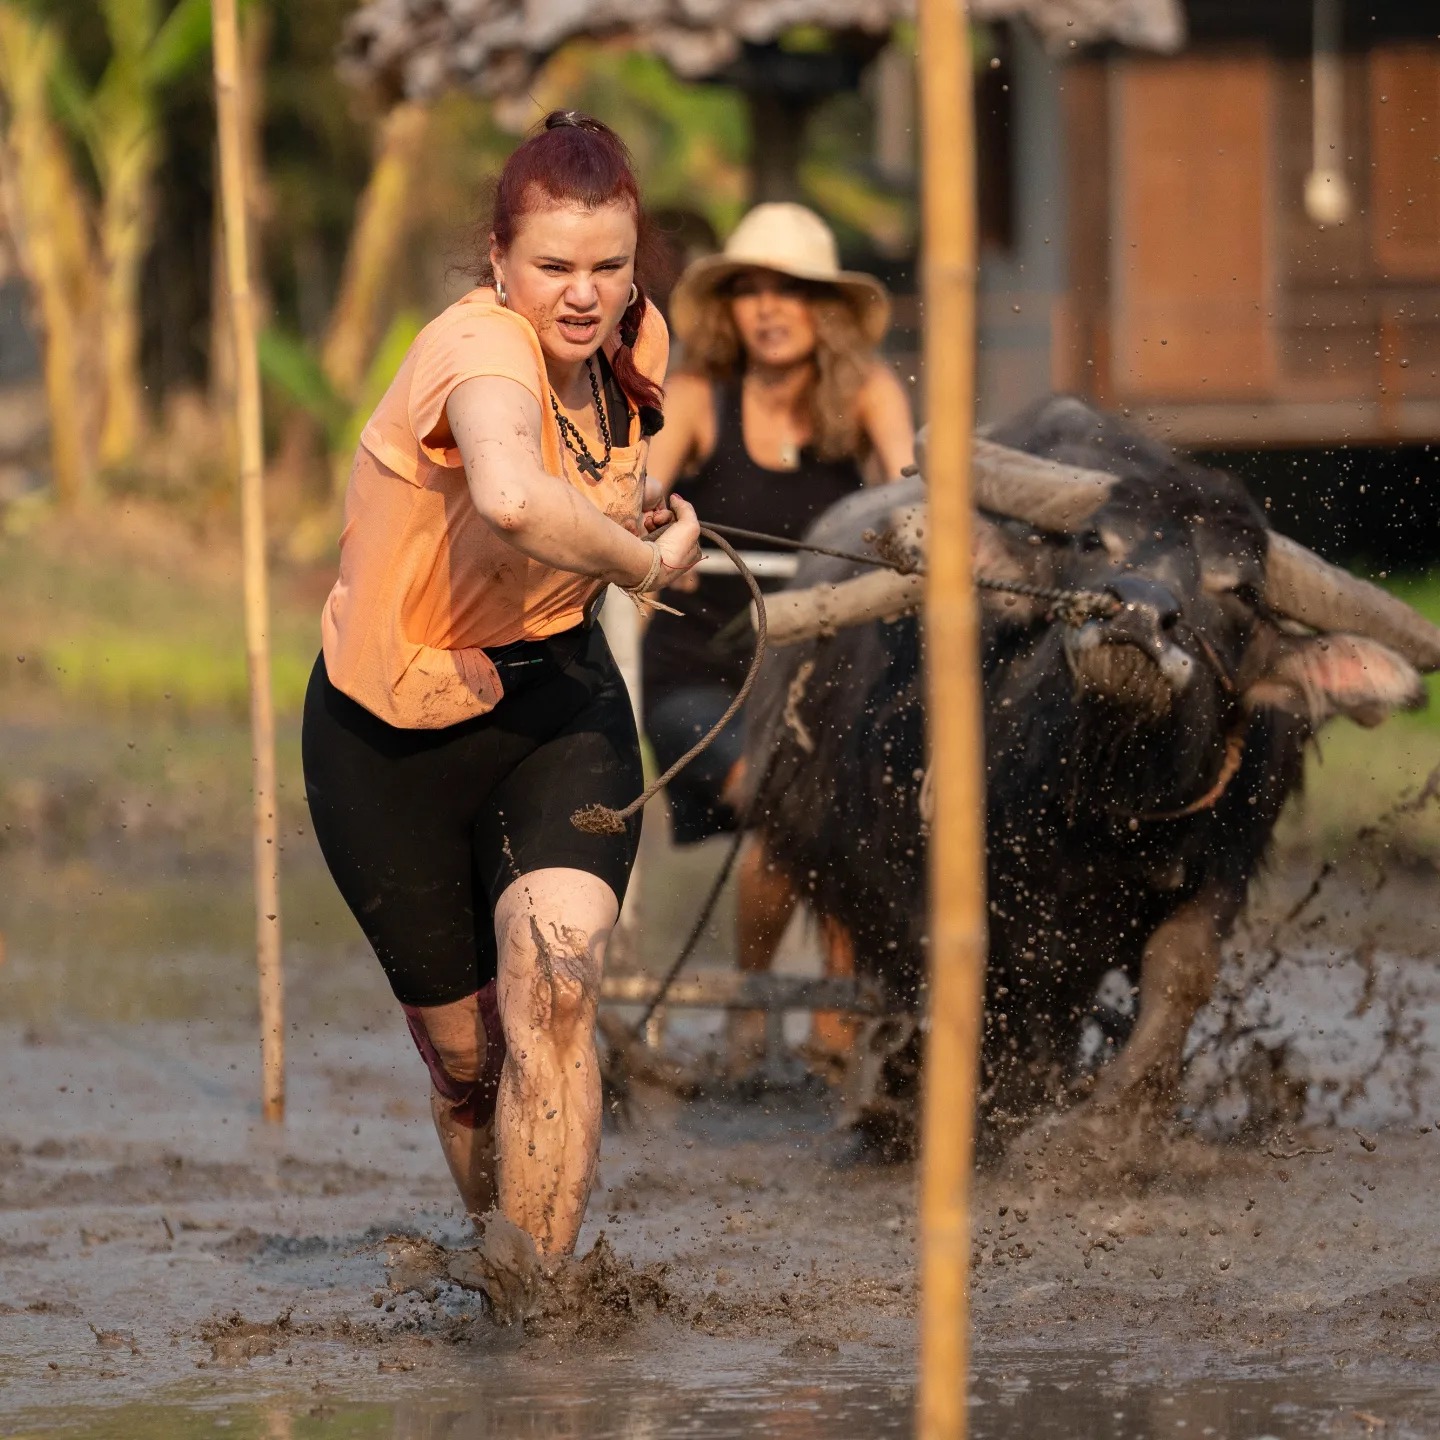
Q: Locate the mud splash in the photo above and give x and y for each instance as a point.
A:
(577, 1297)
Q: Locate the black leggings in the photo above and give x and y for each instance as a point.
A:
(424, 829)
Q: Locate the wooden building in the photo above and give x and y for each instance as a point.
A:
(1144, 174)
(1163, 257)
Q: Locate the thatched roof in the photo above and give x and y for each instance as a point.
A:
(420, 47)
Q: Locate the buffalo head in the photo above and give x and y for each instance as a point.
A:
(1196, 605)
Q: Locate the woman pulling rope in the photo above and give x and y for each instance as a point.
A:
(465, 703)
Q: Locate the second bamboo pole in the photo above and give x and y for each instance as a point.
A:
(957, 834)
(266, 836)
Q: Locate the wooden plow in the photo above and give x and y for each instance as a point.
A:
(644, 1059)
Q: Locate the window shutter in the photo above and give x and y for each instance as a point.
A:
(1191, 268)
(1405, 150)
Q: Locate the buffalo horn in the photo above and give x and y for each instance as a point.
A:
(1299, 584)
(1306, 588)
(1043, 493)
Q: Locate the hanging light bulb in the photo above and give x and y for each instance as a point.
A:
(1328, 197)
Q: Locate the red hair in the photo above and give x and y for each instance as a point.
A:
(578, 160)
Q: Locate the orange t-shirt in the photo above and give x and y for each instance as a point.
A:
(425, 582)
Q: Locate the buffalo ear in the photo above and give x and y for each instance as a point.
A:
(1321, 676)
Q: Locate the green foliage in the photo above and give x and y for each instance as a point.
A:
(131, 25)
(838, 179)
(181, 44)
(147, 53)
(318, 150)
(140, 627)
(293, 368)
(806, 40)
(186, 674)
(290, 365)
(69, 94)
(1422, 591)
(386, 361)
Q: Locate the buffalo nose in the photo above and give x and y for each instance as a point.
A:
(1147, 599)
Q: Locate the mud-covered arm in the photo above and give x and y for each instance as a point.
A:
(496, 424)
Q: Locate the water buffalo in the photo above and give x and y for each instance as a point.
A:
(1137, 760)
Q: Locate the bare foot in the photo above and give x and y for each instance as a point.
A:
(505, 1265)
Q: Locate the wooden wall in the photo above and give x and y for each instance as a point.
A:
(1199, 290)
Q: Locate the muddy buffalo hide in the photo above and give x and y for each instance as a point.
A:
(1135, 764)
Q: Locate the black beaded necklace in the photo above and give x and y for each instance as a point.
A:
(574, 441)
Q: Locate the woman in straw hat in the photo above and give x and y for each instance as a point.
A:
(781, 409)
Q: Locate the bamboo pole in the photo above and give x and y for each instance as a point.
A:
(228, 105)
(957, 837)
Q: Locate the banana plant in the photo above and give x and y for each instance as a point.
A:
(47, 210)
(118, 121)
(296, 373)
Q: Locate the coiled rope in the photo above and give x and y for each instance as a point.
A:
(601, 819)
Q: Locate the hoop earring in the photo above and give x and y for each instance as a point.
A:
(634, 293)
(500, 292)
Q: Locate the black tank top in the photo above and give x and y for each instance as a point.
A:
(729, 488)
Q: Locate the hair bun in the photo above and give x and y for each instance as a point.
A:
(560, 119)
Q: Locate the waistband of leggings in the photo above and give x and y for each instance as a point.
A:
(522, 655)
(561, 646)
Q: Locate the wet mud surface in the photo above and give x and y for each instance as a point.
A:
(170, 1267)
(168, 1264)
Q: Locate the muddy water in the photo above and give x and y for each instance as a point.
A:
(1059, 1397)
(171, 1268)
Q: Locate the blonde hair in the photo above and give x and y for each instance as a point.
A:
(844, 360)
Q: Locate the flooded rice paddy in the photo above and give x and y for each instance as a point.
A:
(171, 1268)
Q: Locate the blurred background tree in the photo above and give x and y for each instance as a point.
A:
(365, 219)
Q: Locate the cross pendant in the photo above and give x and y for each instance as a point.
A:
(588, 466)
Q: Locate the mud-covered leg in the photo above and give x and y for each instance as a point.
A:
(462, 1103)
(1122, 1125)
(551, 927)
(1177, 975)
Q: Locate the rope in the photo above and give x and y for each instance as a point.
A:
(1074, 607)
(904, 567)
(1229, 768)
(601, 819)
(702, 920)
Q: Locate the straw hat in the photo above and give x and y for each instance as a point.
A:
(788, 239)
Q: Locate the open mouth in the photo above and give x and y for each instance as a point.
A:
(577, 329)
